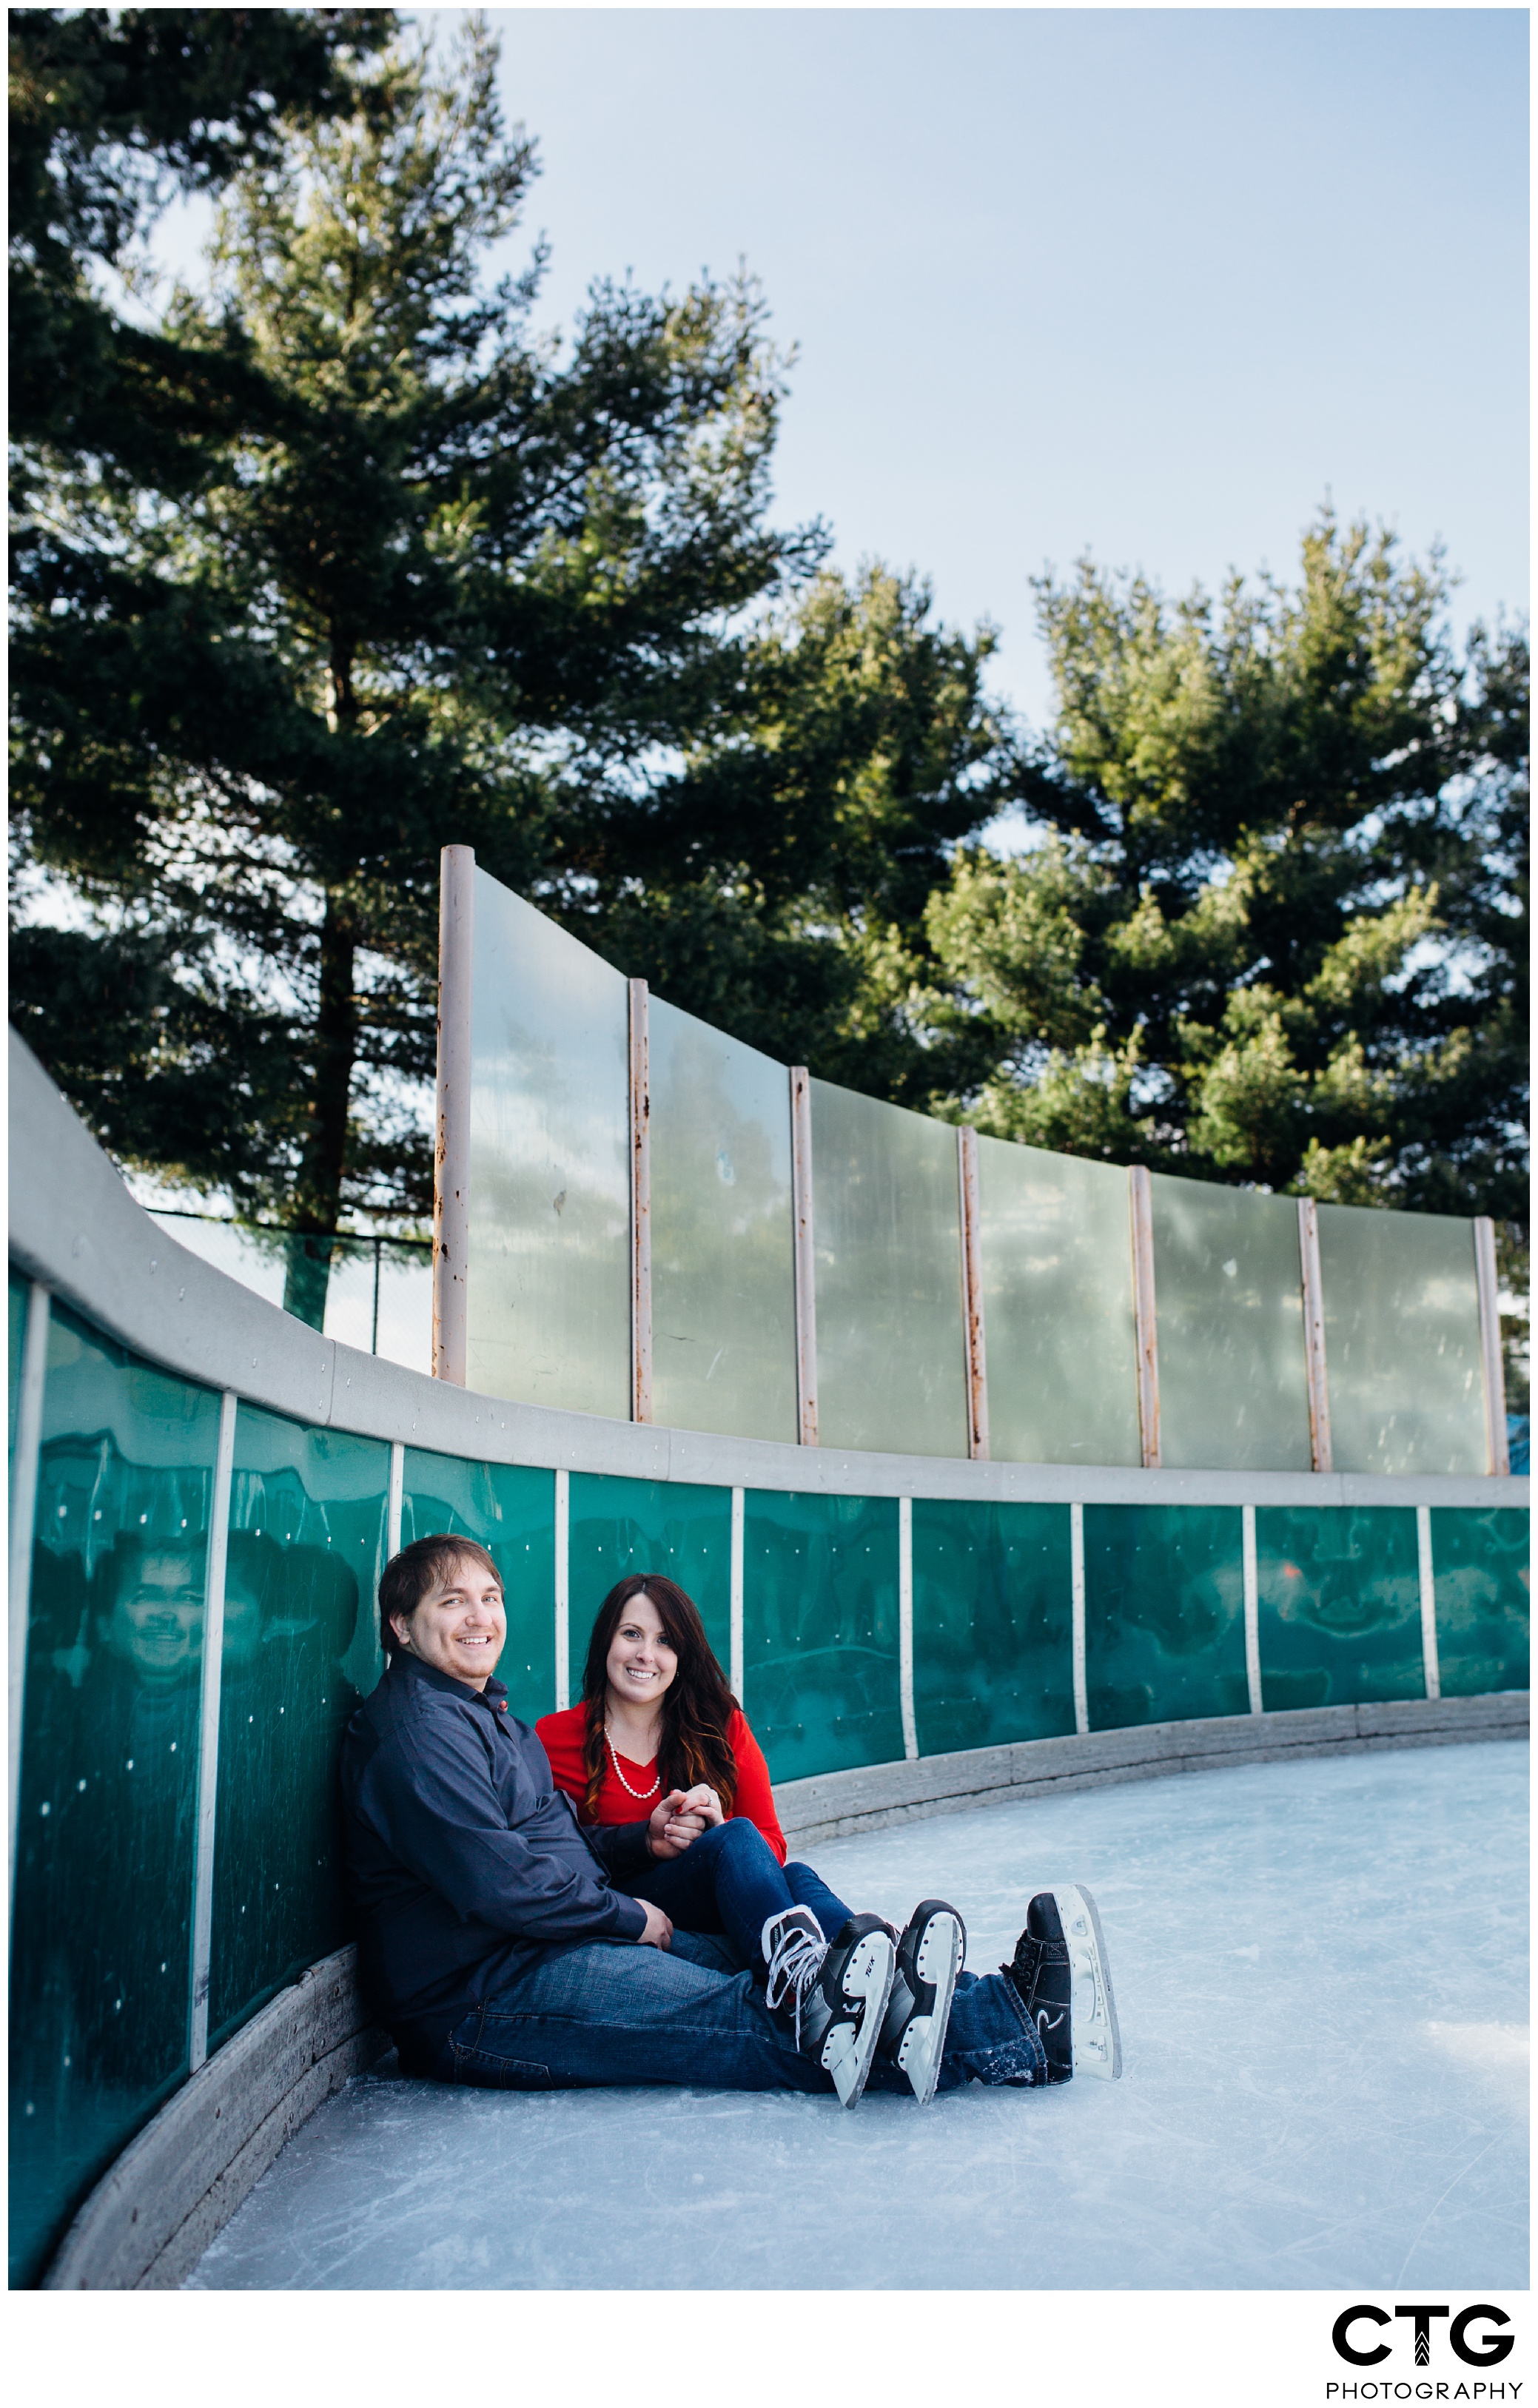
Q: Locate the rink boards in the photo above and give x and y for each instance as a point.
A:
(176, 1857)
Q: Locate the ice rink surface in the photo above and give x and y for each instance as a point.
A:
(1321, 1975)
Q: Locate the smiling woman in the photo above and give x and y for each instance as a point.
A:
(656, 1715)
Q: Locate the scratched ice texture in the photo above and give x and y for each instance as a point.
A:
(1321, 1973)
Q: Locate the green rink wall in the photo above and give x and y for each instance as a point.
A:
(177, 1859)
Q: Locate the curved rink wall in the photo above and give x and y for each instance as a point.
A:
(204, 1491)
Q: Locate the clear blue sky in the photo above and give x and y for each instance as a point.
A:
(1145, 281)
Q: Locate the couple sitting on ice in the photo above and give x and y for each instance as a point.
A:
(605, 1900)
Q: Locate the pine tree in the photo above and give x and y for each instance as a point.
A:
(777, 884)
(111, 112)
(1273, 926)
(434, 582)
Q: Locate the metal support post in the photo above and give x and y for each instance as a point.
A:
(738, 1503)
(1252, 1609)
(1140, 1196)
(23, 1516)
(208, 1729)
(451, 1152)
(1428, 1602)
(1314, 1334)
(806, 1290)
(1081, 1676)
(905, 1626)
(640, 1207)
(1496, 1446)
(563, 1591)
(971, 1288)
(395, 1507)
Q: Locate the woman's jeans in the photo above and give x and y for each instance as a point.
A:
(728, 1880)
(596, 2013)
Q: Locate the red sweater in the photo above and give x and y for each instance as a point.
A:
(563, 1735)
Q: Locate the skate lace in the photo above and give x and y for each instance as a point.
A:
(794, 1962)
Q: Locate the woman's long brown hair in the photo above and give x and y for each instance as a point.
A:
(697, 1705)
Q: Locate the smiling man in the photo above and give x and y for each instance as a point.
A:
(503, 1944)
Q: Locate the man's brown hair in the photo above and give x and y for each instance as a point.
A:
(424, 1566)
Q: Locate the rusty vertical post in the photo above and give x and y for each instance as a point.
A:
(805, 1294)
(1314, 1335)
(971, 1288)
(1496, 1447)
(640, 1207)
(1140, 1196)
(451, 1152)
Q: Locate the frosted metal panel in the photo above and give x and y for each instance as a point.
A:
(722, 1272)
(1058, 1308)
(1229, 1296)
(1402, 1340)
(887, 1222)
(549, 1199)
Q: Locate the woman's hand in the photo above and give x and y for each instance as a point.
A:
(669, 1829)
(679, 1818)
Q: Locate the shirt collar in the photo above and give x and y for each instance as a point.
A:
(411, 1667)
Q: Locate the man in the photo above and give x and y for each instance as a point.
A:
(503, 1944)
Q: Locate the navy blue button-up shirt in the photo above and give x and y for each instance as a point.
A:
(466, 1862)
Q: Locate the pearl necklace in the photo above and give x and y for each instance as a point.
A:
(640, 1795)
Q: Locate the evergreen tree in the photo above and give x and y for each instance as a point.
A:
(111, 112)
(1272, 930)
(436, 583)
(777, 883)
(405, 576)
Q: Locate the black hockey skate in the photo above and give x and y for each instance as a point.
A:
(833, 1997)
(930, 1957)
(1061, 1974)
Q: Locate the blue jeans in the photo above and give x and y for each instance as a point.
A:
(729, 1880)
(598, 2013)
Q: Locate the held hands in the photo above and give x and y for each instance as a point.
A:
(679, 1818)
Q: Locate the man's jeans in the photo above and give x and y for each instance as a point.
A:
(729, 1880)
(600, 2012)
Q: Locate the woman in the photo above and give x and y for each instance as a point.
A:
(658, 1726)
(659, 1738)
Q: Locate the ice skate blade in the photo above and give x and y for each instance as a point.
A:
(922, 2047)
(849, 2050)
(1096, 2036)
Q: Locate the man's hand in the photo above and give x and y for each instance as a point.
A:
(669, 1829)
(659, 1931)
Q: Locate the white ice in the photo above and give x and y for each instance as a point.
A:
(1321, 1975)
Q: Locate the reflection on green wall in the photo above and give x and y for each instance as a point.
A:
(100, 1967)
(511, 1511)
(1164, 1613)
(1339, 1605)
(306, 1547)
(649, 1525)
(820, 1631)
(993, 1624)
(1483, 1592)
